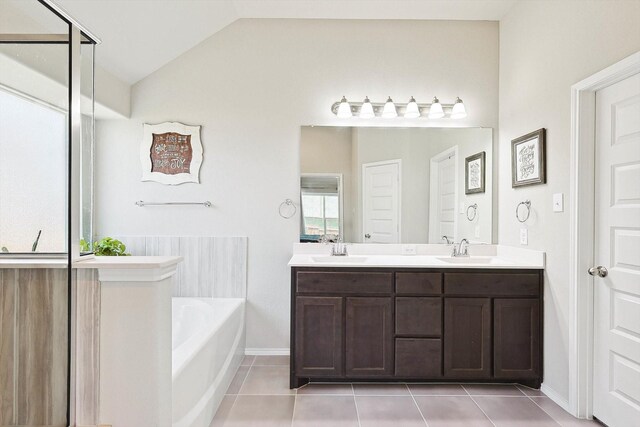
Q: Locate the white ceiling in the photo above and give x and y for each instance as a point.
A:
(140, 36)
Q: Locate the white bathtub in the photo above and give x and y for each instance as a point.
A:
(207, 349)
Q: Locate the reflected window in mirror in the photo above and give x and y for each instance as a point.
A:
(321, 202)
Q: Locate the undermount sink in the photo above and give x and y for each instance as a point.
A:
(340, 259)
(471, 260)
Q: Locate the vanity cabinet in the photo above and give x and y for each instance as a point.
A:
(410, 324)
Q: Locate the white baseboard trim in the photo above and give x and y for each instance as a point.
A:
(555, 396)
(266, 351)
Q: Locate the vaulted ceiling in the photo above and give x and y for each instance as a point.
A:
(140, 36)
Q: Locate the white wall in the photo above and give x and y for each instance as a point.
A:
(545, 47)
(252, 86)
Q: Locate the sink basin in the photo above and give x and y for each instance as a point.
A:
(339, 259)
(472, 260)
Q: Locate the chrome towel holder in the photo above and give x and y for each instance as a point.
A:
(475, 211)
(527, 204)
(142, 203)
(287, 202)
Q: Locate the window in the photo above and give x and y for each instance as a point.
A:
(321, 214)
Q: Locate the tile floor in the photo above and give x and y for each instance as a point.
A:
(259, 396)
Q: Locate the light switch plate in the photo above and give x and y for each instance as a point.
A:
(477, 231)
(462, 208)
(558, 202)
(408, 249)
(524, 236)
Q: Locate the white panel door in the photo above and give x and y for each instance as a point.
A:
(446, 198)
(381, 202)
(616, 400)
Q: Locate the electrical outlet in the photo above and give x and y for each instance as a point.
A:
(408, 249)
(524, 236)
(558, 202)
(477, 232)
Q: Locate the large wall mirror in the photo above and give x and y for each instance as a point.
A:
(396, 185)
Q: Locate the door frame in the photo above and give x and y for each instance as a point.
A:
(382, 163)
(582, 230)
(434, 179)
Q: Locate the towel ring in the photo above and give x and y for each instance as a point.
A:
(287, 202)
(527, 204)
(475, 211)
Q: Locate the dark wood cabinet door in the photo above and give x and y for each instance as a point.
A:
(418, 358)
(516, 338)
(318, 347)
(467, 338)
(369, 337)
(418, 316)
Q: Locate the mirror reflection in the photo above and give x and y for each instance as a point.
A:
(396, 185)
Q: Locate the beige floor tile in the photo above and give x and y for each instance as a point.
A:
(564, 418)
(271, 361)
(261, 411)
(451, 411)
(326, 388)
(530, 391)
(437, 390)
(493, 390)
(514, 412)
(388, 411)
(247, 361)
(325, 411)
(223, 411)
(238, 379)
(366, 389)
(267, 380)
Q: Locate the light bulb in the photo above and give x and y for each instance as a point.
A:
(436, 111)
(366, 111)
(458, 111)
(344, 109)
(412, 111)
(389, 110)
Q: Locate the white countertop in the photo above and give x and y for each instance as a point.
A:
(427, 256)
(120, 263)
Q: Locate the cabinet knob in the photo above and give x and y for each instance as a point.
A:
(367, 236)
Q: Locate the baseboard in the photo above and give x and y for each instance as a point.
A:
(555, 396)
(266, 351)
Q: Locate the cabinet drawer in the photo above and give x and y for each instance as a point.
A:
(492, 284)
(419, 283)
(418, 358)
(418, 316)
(361, 283)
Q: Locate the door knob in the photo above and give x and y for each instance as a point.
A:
(367, 236)
(599, 271)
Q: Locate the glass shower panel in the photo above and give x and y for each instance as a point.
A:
(34, 92)
(87, 141)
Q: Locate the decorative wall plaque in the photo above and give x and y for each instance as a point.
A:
(171, 153)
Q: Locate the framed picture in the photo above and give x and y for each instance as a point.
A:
(474, 173)
(528, 164)
(171, 153)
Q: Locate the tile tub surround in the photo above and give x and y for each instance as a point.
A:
(426, 256)
(377, 405)
(213, 266)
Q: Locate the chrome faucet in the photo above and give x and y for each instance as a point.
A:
(461, 251)
(446, 239)
(339, 248)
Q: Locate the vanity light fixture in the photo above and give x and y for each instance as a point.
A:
(458, 111)
(389, 110)
(344, 110)
(436, 111)
(366, 110)
(411, 110)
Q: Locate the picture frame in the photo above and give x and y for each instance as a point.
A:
(474, 173)
(171, 153)
(528, 159)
